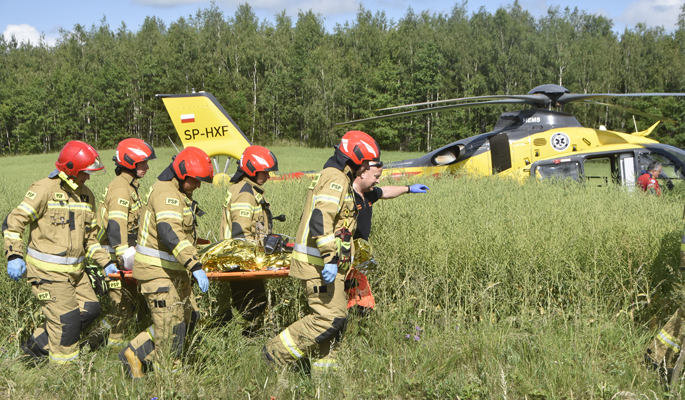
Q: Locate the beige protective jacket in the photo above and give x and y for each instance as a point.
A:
(244, 214)
(62, 225)
(167, 235)
(119, 215)
(329, 207)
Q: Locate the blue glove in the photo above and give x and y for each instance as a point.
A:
(329, 272)
(418, 188)
(202, 280)
(111, 268)
(16, 268)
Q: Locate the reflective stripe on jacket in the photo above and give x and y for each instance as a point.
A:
(167, 228)
(119, 214)
(329, 207)
(243, 215)
(62, 226)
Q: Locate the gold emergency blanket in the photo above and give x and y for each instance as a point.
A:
(247, 255)
(363, 256)
(240, 254)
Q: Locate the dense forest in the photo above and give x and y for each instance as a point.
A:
(286, 80)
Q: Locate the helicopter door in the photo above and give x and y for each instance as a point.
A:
(627, 170)
(500, 154)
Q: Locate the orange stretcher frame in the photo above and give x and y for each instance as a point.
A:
(223, 276)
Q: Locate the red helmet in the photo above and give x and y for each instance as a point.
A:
(358, 147)
(78, 156)
(132, 151)
(256, 159)
(195, 163)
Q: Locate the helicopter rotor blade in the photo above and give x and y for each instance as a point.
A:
(538, 99)
(545, 96)
(568, 98)
(436, 109)
(631, 110)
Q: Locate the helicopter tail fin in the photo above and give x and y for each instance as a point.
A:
(647, 131)
(202, 122)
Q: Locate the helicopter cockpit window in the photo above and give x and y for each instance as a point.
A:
(559, 171)
(669, 170)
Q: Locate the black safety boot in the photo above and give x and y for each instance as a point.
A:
(32, 350)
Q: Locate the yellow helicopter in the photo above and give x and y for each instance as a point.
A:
(540, 142)
(544, 142)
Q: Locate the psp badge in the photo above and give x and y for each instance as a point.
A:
(560, 141)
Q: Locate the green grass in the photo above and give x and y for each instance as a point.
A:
(537, 291)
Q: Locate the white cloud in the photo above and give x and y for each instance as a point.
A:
(27, 33)
(652, 12)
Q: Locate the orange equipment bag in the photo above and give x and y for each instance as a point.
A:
(358, 290)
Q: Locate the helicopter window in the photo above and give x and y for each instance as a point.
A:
(669, 170)
(600, 171)
(559, 171)
(507, 121)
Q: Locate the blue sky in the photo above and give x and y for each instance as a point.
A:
(27, 19)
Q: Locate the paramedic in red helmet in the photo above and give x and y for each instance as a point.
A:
(322, 255)
(119, 217)
(164, 262)
(59, 212)
(247, 215)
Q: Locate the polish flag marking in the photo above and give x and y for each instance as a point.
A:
(185, 118)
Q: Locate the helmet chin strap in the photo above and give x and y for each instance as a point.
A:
(63, 176)
(354, 167)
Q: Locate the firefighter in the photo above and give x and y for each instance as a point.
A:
(60, 213)
(247, 215)
(119, 218)
(322, 254)
(165, 259)
(366, 193)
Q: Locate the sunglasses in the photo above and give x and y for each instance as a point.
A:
(378, 164)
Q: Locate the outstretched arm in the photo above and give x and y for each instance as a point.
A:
(390, 192)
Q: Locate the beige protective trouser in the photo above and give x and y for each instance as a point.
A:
(124, 298)
(248, 297)
(124, 301)
(174, 315)
(664, 349)
(317, 335)
(69, 308)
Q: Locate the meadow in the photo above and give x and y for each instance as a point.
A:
(487, 289)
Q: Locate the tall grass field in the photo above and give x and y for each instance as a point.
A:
(486, 289)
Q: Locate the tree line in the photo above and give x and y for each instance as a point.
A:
(292, 80)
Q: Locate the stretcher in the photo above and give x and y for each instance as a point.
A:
(220, 276)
